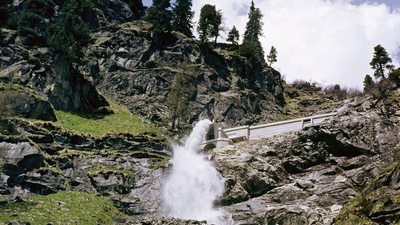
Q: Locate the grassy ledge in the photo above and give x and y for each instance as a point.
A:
(122, 121)
(62, 208)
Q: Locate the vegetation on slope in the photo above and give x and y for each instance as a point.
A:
(61, 208)
(377, 203)
(121, 121)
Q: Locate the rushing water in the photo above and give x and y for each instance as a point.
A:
(194, 184)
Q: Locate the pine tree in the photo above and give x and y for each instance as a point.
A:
(251, 45)
(368, 83)
(160, 16)
(32, 20)
(210, 23)
(233, 36)
(179, 94)
(271, 57)
(381, 62)
(69, 34)
(5, 11)
(183, 16)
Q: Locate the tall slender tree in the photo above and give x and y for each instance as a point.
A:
(182, 17)
(381, 62)
(251, 38)
(210, 23)
(271, 57)
(179, 94)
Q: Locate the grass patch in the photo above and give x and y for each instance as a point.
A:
(122, 121)
(110, 169)
(62, 208)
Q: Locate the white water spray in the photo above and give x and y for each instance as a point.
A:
(194, 184)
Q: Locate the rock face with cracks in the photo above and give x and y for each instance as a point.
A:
(306, 177)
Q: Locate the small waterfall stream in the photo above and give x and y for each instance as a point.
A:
(194, 183)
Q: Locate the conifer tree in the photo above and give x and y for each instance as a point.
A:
(368, 83)
(251, 45)
(182, 17)
(32, 19)
(179, 94)
(5, 11)
(271, 57)
(210, 23)
(69, 34)
(233, 36)
(381, 62)
(160, 15)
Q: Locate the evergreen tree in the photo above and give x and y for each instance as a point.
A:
(271, 57)
(32, 20)
(136, 7)
(381, 62)
(183, 16)
(179, 95)
(210, 23)
(160, 16)
(368, 83)
(5, 11)
(251, 45)
(233, 36)
(69, 34)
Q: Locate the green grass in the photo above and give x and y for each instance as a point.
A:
(122, 121)
(61, 208)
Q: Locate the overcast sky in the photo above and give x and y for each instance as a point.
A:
(324, 41)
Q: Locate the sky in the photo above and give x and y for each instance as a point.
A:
(323, 41)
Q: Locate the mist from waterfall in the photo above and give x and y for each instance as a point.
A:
(194, 183)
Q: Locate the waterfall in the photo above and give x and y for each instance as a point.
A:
(194, 184)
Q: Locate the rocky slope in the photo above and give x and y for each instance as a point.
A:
(304, 177)
(307, 177)
(125, 64)
(39, 158)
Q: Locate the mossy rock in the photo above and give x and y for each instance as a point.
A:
(21, 101)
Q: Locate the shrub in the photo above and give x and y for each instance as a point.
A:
(306, 85)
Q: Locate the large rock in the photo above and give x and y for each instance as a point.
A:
(19, 101)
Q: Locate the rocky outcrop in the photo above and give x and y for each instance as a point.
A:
(126, 64)
(54, 80)
(306, 177)
(20, 101)
(128, 170)
(378, 203)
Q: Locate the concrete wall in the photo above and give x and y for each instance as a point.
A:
(271, 129)
(226, 136)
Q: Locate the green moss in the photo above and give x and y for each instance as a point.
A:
(110, 169)
(62, 208)
(157, 163)
(375, 197)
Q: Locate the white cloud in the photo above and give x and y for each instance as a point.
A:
(327, 41)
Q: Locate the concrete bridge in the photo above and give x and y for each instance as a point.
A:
(218, 136)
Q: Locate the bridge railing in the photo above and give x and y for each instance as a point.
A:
(271, 129)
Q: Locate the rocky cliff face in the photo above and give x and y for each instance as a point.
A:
(306, 178)
(125, 64)
(127, 169)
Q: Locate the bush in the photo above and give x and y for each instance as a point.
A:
(306, 85)
(35, 61)
(25, 54)
(341, 92)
